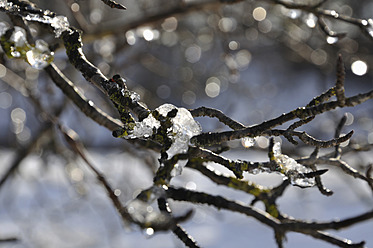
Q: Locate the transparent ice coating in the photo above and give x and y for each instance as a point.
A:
(141, 210)
(19, 37)
(58, 23)
(247, 142)
(294, 171)
(144, 129)
(38, 56)
(3, 28)
(183, 129)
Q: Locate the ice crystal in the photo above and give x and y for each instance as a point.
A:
(294, 171)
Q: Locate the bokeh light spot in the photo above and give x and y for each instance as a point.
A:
(2, 71)
(189, 97)
(75, 7)
(243, 58)
(193, 54)
(95, 16)
(331, 39)
(149, 231)
(169, 24)
(148, 35)
(5, 100)
(359, 67)
(163, 91)
(227, 24)
(212, 89)
(131, 38)
(233, 45)
(265, 26)
(18, 115)
(259, 14)
(319, 57)
(311, 20)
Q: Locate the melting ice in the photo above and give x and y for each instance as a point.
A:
(294, 171)
(141, 210)
(184, 127)
(38, 56)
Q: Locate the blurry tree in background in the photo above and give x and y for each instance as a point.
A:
(243, 61)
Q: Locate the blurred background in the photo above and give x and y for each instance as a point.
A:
(253, 60)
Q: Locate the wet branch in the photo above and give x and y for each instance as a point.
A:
(197, 155)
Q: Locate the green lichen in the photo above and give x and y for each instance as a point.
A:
(271, 209)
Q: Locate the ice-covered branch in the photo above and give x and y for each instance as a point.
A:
(284, 225)
(207, 139)
(113, 4)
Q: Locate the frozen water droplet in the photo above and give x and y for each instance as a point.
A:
(369, 26)
(331, 39)
(15, 54)
(19, 37)
(334, 14)
(311, 20)
(32, 17)
(142, 212)
(294, 13)
(39, 57)
(247, 142)
(149, 231)
(41, 45)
